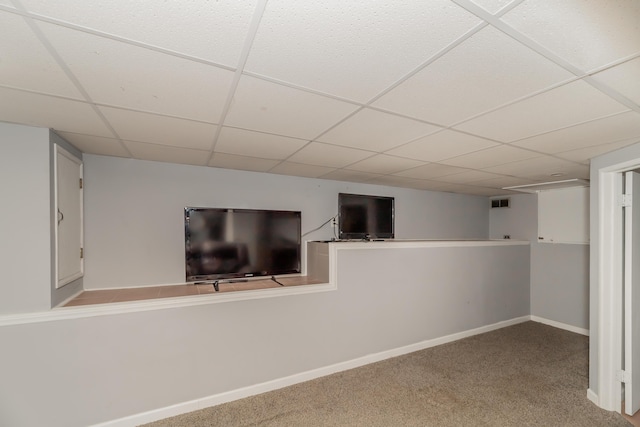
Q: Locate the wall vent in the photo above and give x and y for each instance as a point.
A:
(500, 203)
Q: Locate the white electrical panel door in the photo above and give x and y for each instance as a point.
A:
(563, 215)
(68, 210)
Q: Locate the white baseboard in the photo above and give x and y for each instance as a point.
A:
(217, 399)
(593, 397)
(560, 325)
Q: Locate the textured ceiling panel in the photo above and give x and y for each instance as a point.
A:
(163, 153)
(609, 129)
(431, 171)
(492, 5)
(540, 168)
(352, 49)
(587, 33)
(28, 64)
(48, 111)
(384, 164)
(583, 155)
(319, 154)
(142, 79)
(298, 169)
(144, 127)
(268, 107)
(624, 78)
(376, 131)
(96, 144)
(257, 144)
(442, 145)
(567, 105)
(487, 70)
(231, 161)
(492, 156)
(208, 30)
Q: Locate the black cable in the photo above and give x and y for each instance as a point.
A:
(323, 224)
(274, 279)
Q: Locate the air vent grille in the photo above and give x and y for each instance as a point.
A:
(500, 203)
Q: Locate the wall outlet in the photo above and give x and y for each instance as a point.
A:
(506, 236)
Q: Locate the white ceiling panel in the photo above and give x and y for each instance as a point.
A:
(468, 189)
(623, 78)
(151, 128)
(587, 33)
(491, 157)
(384, 164)
(486, 71)
(541, 168)
(320, 154)
(352, 49)
(399, 181)
(350, 175)
(232, 161)
(142, 79)
(442, 145)
(372, 130)
(163, 153)
(504, 181)
(52, 112)
(28, 64)
(210, 30)
(257, 144)
(298, 169)
(96, 144)
(584, 155)
(469, 177)
(268, 107)
(567, 105)
(492, 6)
(431, 171)
(597, 132)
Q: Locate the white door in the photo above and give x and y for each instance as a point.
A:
(68, 206)
(632, 293)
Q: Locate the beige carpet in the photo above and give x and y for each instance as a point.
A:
(524, 375)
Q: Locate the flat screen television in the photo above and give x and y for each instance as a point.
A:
(240, 243)
(365, 217)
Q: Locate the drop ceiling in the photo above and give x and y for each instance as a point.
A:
(447, 95)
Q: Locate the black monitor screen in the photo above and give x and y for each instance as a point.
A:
(365, 217)
(232, 243)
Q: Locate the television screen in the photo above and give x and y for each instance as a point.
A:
(365, 217)
(238, 243)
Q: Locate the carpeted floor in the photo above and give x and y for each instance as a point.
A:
(524, 375)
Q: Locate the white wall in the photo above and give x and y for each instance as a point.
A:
(559, 272)
(94, 369)
(134, 231)
(25, 242)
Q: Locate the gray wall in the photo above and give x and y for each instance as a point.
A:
(559, 272)
(95, 369)
(134, 233)
(25, 245)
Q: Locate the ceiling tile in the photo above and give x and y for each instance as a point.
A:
(358, 48)
(95, 144)
(164, 153)
(268, 107)
(320, 154)
(431, 171)
(208, 30)
(541, 168)
(623, 78)
(469, 177)
(597, 132)
(372, 130)
(441, 145)
(257, 144)
(383, 164)
(298, 169)
(504, 181)
(488, 70)
(584, 155)
(400, 181)
(144, 127)
(350, 175)
(128, 76)
(587, 33)
(492, 156)
(472, 190)
(51, 112)
(567, 105)
(28, 64)
(231, 161)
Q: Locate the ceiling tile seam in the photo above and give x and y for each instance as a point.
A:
(266, 133)
(508, 7)
(613, 64)
(157, 144)
(543, 51)
(152, 113)
(244, 55)
(46, 19)
(50, 95)
(54, 54)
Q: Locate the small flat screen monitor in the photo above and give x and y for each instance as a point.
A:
(365, 217)
(238, 243)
